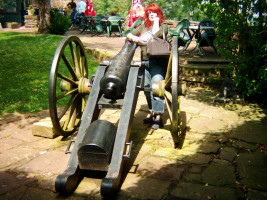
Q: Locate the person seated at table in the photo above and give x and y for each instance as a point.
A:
(155, 69)
(81, 6)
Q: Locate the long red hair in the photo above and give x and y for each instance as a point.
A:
(153, 7)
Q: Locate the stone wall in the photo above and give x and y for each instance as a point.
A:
(61, 3)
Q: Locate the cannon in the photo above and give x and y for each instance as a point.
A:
(76, 101)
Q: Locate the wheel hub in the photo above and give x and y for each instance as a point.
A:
(84, 86)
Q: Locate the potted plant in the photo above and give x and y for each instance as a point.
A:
(31, 10)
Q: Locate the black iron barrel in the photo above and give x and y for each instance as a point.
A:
(95, 150)
(113, 83)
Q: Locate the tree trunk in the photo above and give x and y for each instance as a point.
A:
(44, 12)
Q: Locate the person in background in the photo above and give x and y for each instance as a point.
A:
(155, 68)
(81, 6)
(72, 5)
(136, 12)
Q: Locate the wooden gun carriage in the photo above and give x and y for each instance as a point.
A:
(76, 102)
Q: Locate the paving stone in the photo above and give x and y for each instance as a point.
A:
(228, 153)
(172, 154)
(219, 173)
(194, 191)
(196, 169)
(9, 143)
(220, 114)
(192, 178)
(89, 187)
(252, 132)
(47, 162)
(190, 106)
(16, 193)
(244, 145)
(45, 181)
(35, 193)
(252, 169)
(12, 180)
(197, 158)
(208, 147)
(195, 136)
(15, 155)
(197, 125)
(210, 125)
(191, 109)
(220, 137)
(25, 135)
(138, 187)
(139, 154)
(48, 144)
(211, 112)
(256, 195)
(159, 169)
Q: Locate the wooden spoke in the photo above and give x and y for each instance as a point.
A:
(168, 82)
(66, 79)
(65, 94)
(168, 95)
(66, 108)
(68, 117)
(70, 68)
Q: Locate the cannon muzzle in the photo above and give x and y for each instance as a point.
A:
(113, 83)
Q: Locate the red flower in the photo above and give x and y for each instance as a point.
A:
(112, 12)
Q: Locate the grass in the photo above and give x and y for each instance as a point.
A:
(25, 61)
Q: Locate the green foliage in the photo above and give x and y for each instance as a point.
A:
(179, 9)
(105, 7)
(24, 70)
(242, 39)
(175, 10)
(30, 7)
(59, 23)
(7, 4)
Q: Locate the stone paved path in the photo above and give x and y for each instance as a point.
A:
(224, 155)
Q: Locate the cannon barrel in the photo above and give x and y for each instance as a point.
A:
(113, 83)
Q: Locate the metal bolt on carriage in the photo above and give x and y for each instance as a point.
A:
(76, 102)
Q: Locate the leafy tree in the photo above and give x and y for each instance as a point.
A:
(179, 9)
(175, 10)
(242, 39)
(105, 7)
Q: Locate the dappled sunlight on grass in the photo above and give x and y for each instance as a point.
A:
(24, 71)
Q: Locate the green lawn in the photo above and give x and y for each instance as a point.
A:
(25, 61)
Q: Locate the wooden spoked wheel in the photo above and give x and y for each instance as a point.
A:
(68, 85)
(171, 92)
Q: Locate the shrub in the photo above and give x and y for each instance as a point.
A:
(242, 39)
(59, 23)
